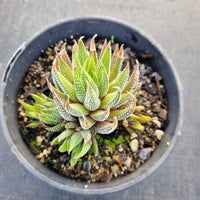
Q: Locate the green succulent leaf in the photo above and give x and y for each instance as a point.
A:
(38, 99)
(74, 156)
(86, 78)
(106, 127)
(91, 102)
(106, 58)
(95, 146)
(34, 124)
(61, 95)
(86, 135)
(71, 125)
(76, 63)
(66, 86)
(111, 100)
(133, 117)
(139, 108)
(75, 140)
(64, 69)
(46, 120)
(63, 147)
(114, 56)
(76, 109)
(104, 81)
(92, 70)
(28, 107)
(64, 56)
(133, 80)
(67, 133)
(39, 107)
(57, 127)
(51, 111)
(86, 122)
(100, 115)
(136, 125)
(124, 99)
(31, 114)
(120, 81)
(47, 99)
(53, 116)
(79, 87)
(82, 52)
(116, 63)
(59, 104)
(143, 118)
(121, 114)
(85, 148)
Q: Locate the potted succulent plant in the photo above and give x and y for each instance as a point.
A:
(90, 94)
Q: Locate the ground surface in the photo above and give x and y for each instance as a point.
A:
(175, 25)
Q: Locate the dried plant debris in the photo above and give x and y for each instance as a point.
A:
(121, 152)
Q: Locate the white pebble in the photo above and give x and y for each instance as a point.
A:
(159, 134)
(128, 162)
(134, 145)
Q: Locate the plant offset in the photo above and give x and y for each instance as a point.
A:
(91, 95)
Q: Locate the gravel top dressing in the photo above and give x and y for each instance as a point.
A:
(120, 153)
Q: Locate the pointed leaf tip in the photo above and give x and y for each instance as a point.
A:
(121, 52)
(109, 45)
(67, 103)
(57, 54)
(115, 53)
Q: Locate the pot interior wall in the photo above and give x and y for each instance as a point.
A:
(88, 27)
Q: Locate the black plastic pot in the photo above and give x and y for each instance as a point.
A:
(123, 33)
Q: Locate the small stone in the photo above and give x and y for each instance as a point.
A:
(115, 167)
(133, 135)
(128, 162)
(39, 155)
(47, 151)
(134, 145)
(148, 70)
(34, 150)
(100, 46)
(120, 158)
(25, 119)
(151, 88)
(115, 170)
(145, 153)
(39, 139)
(120, 149)
(23, 114)
(42, 160)
(87, 166)
(159, 134)
(156, 122)
(163, 114)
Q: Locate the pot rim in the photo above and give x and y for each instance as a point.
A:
(74, 188)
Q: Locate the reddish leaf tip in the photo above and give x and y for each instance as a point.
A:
(57, 54)
(67, 103)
